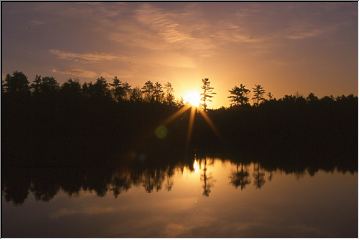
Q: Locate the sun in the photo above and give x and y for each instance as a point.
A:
(192, 98)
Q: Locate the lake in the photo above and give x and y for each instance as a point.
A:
(207, 197)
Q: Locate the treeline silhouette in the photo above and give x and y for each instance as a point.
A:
(72, 124)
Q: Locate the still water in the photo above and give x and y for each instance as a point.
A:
(207, 198)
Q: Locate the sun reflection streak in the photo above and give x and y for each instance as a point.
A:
(196, 166)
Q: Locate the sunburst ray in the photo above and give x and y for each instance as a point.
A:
(210, 123)
(191, 124)
(177, 114)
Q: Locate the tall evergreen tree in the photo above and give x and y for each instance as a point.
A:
(99, 89)
(258, 92)
(148, 91)
(35, 85)
(71, 88)
(127, 90)
(207, 93)
(48, 86)
(17, 84)
(239, 96)
(169, 96)
(158, 92)
(135, 95)
(118, 90)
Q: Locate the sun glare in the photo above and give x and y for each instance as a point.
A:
(192, 98)
(196, 166)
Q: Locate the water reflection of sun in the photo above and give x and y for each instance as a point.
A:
(196, 166)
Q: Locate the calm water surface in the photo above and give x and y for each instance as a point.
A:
(212, 198)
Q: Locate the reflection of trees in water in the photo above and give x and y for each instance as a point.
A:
(169, 179)
(270, 177)
(206, 178)
(299, 175)
(259, 176)
(153, 179)
(15, 186)
(240, 178)
(45, 183)
(120, 184)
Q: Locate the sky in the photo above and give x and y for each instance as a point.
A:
(288, 48)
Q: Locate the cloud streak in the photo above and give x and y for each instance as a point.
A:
(163, 23)
(82, 73)
(86, 57)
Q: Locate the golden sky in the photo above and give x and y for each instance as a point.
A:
(287, 47)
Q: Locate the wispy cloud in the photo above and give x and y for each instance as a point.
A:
(230, 32)
(87, 57)
(189, 30)
(162, 22)
(132, 36)
(301, 32)
(82, 73)
(179, 31)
